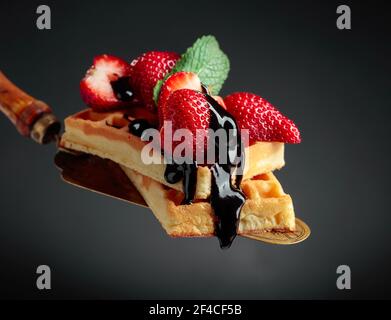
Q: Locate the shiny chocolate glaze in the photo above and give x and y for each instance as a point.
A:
(226, 200)
(138, 126)
(187, 172)
(122, 89)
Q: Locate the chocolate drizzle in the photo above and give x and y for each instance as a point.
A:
(122, 89)
(226, 199)
(227, 202)
(187, 172)
(138, 126)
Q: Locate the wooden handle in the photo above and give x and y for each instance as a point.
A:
(31, 117)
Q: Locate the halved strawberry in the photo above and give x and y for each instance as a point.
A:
(96, 87)
(147, 70)
(178, 80)
(262, 119)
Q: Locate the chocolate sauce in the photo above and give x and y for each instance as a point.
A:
(226, 200)
(187, 172)
(122, 89)
(173, 173)
(137, 127)
(227, 203)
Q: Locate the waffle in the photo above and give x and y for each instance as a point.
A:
(106, 135)
(267, 207)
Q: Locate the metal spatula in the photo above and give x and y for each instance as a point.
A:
(34, 119)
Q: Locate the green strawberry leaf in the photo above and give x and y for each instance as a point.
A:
(207, 60)
(158, 87)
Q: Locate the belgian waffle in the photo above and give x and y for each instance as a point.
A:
(267, 207)
(106, 135)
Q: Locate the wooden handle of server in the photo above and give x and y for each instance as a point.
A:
(31, 117)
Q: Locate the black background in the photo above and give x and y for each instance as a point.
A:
(334, 84)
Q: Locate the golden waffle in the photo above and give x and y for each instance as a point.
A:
(267, 207)
(106, 135)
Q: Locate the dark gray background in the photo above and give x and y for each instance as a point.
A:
(334, 84)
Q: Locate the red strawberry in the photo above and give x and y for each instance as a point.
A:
(179, 80)
(263, 120)
(147, 70)
(187, 109)
(96, 87)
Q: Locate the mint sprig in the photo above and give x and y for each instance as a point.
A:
(207, 60)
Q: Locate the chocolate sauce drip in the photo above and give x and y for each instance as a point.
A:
(227, 203)
(122, 89)
(226, 200)
(187, 172)
(238, 177)
(137, 127)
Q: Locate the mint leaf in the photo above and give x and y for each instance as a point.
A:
(207, 60)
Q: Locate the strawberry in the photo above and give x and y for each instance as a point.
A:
(262, 119)
(179, 80)
(187, 109)
(147, 70)
(96, 87)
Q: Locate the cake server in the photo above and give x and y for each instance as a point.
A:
(35, 119)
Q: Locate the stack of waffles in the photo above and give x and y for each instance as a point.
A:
(106, 135)
(125, 99)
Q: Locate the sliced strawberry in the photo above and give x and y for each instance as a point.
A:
(96, 87)
(262, 119)
(187, 109)
(179, 80)
(147, 70)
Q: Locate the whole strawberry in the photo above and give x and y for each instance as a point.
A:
(187, 109)
(262, 119)
(177, 81)
(147, 70)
